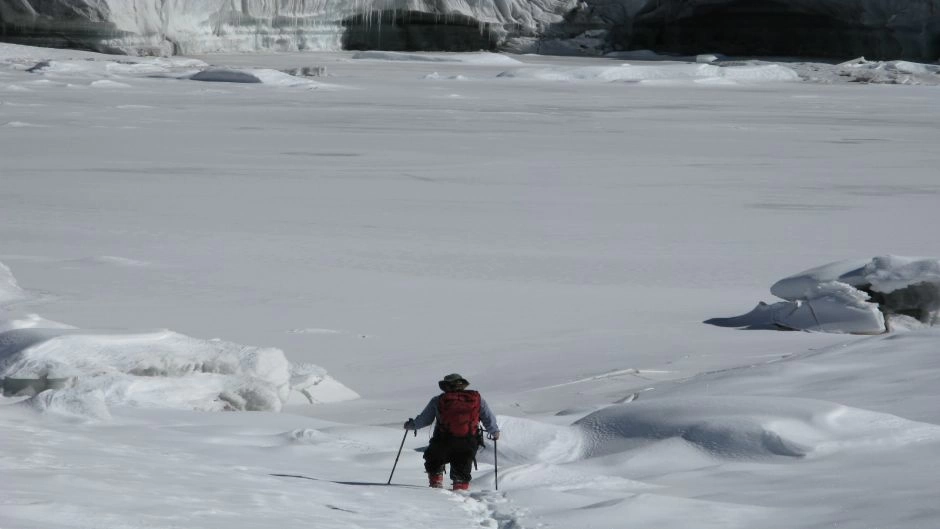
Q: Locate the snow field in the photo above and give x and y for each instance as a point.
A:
(561, 273)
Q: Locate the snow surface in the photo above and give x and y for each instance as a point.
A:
(558, 243)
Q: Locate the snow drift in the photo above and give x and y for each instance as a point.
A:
(855, 296)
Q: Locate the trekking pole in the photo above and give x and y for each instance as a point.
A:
(399, 455)
(495, 464)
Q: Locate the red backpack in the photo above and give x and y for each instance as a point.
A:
(458, 413)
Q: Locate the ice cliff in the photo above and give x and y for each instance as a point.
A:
(888, 29)
(194, 26)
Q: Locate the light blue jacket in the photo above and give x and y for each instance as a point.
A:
(430, 414)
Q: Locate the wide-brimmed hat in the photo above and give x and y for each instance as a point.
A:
(452, 379)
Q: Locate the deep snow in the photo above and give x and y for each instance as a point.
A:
(558, 239)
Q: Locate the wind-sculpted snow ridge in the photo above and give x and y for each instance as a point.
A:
(82, 372)
(748, 427)
(856, 296)
(195, 26)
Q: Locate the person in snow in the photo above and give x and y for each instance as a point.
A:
(457, 413)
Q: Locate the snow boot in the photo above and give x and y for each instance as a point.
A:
(436, 481)
(461, 485)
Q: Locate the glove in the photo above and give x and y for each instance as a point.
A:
(410, 424)
(493, 436)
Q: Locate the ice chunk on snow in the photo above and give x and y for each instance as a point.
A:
(156, 369)
(71, 403)
(850, 296)
(889, 72)
(905, 285)
(835, 307)
(312, 382)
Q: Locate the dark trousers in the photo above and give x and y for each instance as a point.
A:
(458, 451)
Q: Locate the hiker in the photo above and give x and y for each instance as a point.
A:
(457, 436)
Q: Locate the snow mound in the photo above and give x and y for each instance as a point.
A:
(659, 72)
(851, 296)
(160, 369)
(480, 58)
(748, 427)
(9, 289)
(261, 75)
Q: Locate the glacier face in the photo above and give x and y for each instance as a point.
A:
(200, 26)
(824, 28)
(835, 28)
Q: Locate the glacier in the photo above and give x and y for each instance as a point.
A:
(161, 27)
(881, 29)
